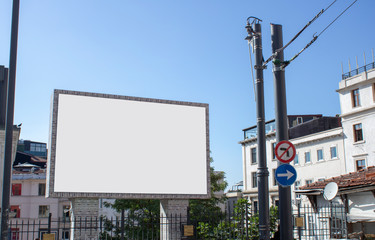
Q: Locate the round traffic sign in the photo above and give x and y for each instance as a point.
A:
(285, 151)
(286, 175)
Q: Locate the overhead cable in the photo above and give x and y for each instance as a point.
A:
(297, 35)
(316, 37)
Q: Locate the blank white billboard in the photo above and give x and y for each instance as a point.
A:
(126, 147)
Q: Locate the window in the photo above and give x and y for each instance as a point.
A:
(254, 179)
(333, 151)
(15, 233)
(355, 98)
(358, 134)
(273, 151)
(296, 187)
(255, 206)
(309, 181)
(65, 235)
(253, 155)
(311, 225)
(299, 120)
(16, 189)
(360, 164)
(296, 161)
(42, 189)
(66, 212)
(274, 177)
(320, 154)
(15, 212)
(373, 92)
(43, 211)
(321, 179)
(307, 157)
(277, 205)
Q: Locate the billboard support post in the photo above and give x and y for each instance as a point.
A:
(84, 208)
(172, 213)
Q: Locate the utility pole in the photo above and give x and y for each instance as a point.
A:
(285, 202)
(9, 122)
(255, 34)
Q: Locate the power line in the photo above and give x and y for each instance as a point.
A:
(299, 33)
(337, 17)
(286, 63)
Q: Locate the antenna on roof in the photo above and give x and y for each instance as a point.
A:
(364, 57)
(356, 61)
(342, 69)
(330, 191)
(350, 69)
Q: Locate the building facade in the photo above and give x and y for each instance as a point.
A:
(28, 204)
(357, 101)
(16, 135)
(38, 149)
(319, 154)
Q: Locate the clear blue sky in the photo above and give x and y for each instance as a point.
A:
(181, 50)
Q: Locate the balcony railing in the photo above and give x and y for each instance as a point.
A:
(252, 133)
(358, 71)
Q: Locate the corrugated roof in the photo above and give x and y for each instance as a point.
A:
(22, 157)
(362, 178)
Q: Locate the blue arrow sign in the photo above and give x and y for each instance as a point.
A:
(286, 175)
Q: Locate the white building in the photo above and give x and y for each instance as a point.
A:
(29, 206)
(16, 135)
(356, 193)
(357, 101)
(320, 153)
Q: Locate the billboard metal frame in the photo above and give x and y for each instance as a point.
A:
(52, 151)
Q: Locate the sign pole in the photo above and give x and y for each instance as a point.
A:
(285, 207)
(9, 122)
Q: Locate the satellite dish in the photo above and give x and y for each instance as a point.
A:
(330, 191)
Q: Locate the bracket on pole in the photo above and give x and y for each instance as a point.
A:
(260, 67)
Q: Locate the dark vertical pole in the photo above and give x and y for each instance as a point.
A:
(122, 224)
(285, 207)
(299, 215)
(9, 122)
(262, 173)
(49, 222)
(3, 95)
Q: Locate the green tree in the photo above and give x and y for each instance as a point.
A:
(142, 219)
(200, 209)
(143, 215)
(242, 225)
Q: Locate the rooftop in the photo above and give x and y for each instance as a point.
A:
(360, 179)
(22, 157)
(299, 125)
(358, 71)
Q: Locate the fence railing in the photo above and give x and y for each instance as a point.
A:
(358, 71)
(328, 222)
(324, 222)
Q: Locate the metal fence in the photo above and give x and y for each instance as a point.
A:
(323, 222)
(328, 222)
(358, 71)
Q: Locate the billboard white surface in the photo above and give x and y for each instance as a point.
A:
(126, 147)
